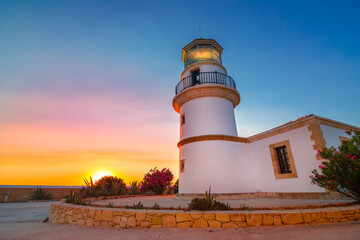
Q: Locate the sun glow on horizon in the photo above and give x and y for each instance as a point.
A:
(96, 176)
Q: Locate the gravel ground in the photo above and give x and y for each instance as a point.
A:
(24, 221)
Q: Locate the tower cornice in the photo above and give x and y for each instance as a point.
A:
(206, 90)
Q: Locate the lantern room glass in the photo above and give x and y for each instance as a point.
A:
(202, 53)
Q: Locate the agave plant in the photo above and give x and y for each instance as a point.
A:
(74, 198)
(134, 187)
(90, 189)
(209, 198)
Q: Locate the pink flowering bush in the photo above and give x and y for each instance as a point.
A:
(156, 180)
(341, 171)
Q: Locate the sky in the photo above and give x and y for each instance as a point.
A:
(86, 86)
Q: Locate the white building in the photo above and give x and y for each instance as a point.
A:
(277, 162)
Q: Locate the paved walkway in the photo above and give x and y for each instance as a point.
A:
(24, 221)
(173, 201)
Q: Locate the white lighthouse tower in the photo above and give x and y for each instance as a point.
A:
(211, 154)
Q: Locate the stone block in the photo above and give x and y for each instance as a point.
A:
(292, 218)
(156, 220)
(196, 215)
(222, 217)
(117, 219)
(131, 222)
(107, 216)
(214, 223)
(169, 221)
(254, 219)
(209, 216)
(183, 217)
(140, 216)
(200, 223)
(98, 214)
(242, 225)
(229, 225)
(91, 213)
(183, 224)
(267, 220)
(145, 224)
(237, 217)
(334, 214)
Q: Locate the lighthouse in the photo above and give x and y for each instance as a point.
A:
(209, 148)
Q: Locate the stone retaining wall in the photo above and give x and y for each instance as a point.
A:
(131, 218)
(18, 194)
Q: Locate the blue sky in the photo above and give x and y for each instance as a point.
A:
(66, 64)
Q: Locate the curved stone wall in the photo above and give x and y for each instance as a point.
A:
(131, 218)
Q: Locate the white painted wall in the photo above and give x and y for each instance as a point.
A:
(208, 115)
(331, 135)
(220, 164)
(304, 157)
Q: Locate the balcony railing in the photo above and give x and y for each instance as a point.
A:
(204, 77)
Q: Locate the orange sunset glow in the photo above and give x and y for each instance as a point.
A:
(77, 140)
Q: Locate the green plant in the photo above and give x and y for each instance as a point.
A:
(156, 207)
(178, 208)
(245, 207)
(110, 186)
(90, 189)
(134, 188)
(207, 203)
(74, 198)
(110, 205)
(156, 180)
(209, 198)
(39, 194)
(139, 205)
(341, 171)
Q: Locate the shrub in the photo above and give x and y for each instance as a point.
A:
(246, 207)
(156, 180)
(341, 171)
(110, 186)
(90, 189)
(134, 188)
(74, 198)
(207, 203)
(39, 194)
(156, 207)
(175, 187)
(139, 205)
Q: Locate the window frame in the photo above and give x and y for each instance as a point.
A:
(275, 161)
(182, 165)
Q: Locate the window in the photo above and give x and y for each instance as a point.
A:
(195, 77)
(182, 165)
(282, 160)
(182, 119)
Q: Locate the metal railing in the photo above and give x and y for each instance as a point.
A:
(204, 77)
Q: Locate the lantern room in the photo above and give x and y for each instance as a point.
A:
(201, 50)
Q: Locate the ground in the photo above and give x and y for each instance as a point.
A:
(173, 201)
(24, 221)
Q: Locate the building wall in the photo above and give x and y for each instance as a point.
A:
(331, 135)
(304, 157)
(223, 165)
(233, 167)
(208, 115)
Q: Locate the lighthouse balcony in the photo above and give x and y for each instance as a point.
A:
(203, 78)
